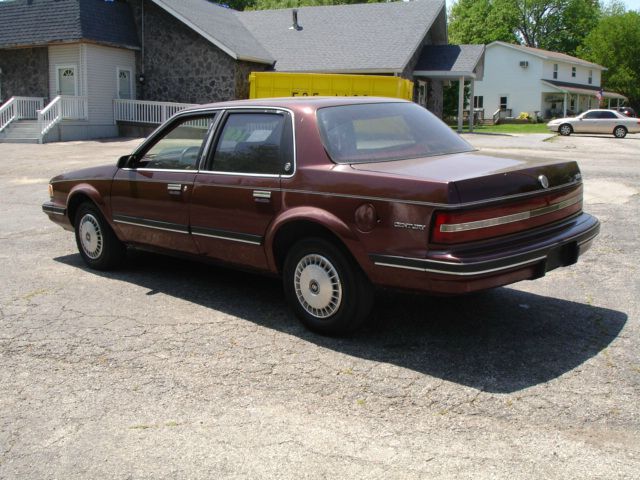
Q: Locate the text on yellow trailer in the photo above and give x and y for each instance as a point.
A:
(276, 84)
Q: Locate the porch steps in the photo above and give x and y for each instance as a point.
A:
(21, 131)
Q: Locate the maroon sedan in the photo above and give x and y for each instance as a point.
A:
(334, 195)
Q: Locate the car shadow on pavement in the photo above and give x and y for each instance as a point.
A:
(500, 341)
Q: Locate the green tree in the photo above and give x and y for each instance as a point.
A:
(481, 21)
(558, 25)
(615, 44)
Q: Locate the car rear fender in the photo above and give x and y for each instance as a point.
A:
(321, 218)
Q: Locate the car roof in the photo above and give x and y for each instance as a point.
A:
(299, 102)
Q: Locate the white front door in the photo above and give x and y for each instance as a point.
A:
(124, 84)
(67, 81)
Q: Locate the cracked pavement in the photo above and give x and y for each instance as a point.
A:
(172, 369)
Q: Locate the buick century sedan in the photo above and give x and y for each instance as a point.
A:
(607, 122)
(333, 195)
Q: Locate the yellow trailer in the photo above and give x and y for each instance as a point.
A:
(275, 84)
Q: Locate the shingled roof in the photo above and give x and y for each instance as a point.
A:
(220, 25)
(368, 38)
(449, 58)
(25, 23)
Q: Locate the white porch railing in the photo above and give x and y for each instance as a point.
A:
(61, 108)
(144, 111)
(17, 108)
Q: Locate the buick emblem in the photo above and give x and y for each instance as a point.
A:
(544, 181)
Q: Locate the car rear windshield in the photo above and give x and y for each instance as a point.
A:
(383, 132)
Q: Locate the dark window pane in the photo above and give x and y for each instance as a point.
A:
(254, 143)
(608, 115)
(180, 148)
(591, 115)
(385, 132)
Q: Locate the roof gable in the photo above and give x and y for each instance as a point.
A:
(370, 37)
(26, 23)
(220, 26)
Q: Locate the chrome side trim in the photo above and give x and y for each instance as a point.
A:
(154, 224)
(516, 217)
(227, 235)
(174, 187)
(476, 272)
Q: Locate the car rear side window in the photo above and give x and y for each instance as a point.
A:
(180, 147)
(608, 115)
(382, 132)
(255, 143)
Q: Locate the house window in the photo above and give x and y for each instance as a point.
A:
(573, 72)
(555, 71)
(572, 103)
(478, 102)
(590, 77)
(503, 103)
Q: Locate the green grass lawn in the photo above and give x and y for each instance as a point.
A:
(508, 128)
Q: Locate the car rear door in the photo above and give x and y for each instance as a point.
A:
(237, 192)
(150, 196)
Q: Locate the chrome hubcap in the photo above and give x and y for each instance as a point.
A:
(90, 236)
(318, 286)
(565, 130)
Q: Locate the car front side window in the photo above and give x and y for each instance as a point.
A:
(180, 147)
(254, 143)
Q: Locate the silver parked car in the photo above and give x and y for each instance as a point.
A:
(596, 121)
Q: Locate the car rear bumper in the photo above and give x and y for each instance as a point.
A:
(494, 264)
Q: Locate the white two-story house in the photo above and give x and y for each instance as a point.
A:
(542, 83)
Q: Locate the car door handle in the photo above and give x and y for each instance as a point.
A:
(262, 196)
(174, 188)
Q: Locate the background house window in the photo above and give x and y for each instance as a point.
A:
(478, 101)
(555, 70)
(503, 103)
(590, 77)
(573, 72)
(573, 103)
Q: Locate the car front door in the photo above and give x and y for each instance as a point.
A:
(150, 196)
(237, 193)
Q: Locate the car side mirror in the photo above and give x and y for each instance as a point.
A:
(126, 161)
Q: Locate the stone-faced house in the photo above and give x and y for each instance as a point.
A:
(195, 51)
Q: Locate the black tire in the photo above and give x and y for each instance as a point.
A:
(341, 294)
(620, 131)
(98, 245)
(565, 129)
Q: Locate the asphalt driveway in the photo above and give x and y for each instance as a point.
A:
(170, 369)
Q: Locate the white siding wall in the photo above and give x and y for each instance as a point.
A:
(564, 73)
(102, 88)
(503, 76)
(65, 55)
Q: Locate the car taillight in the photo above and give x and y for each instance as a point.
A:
(470, 225)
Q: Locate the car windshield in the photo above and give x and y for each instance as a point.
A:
(382, 132)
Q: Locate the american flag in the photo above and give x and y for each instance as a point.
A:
(599, 95)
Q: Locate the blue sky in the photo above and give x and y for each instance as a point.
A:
(631, 4)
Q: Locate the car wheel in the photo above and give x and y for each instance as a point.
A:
(565, 129)
(620, 132)
(98, 245)
(326, 288)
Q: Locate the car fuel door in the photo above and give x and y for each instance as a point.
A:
(151, 194)
(237, 194)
